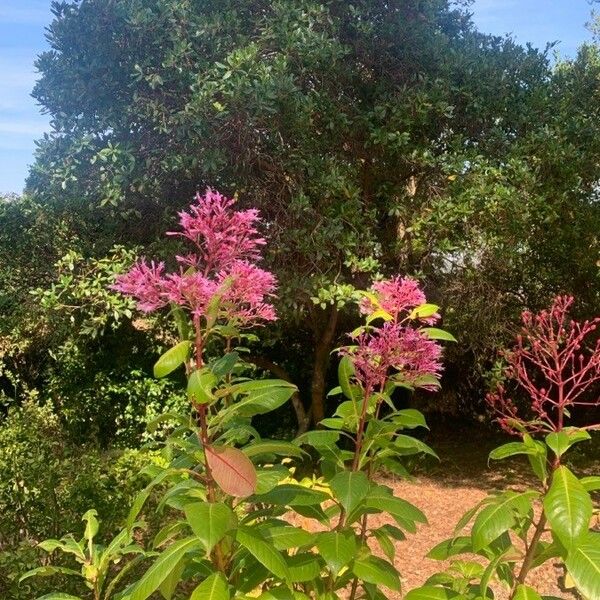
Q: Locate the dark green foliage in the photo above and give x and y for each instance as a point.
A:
(374, 137)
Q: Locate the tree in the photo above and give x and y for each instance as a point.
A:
(373, 136)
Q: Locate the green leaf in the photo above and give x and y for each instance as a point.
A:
(345, 373)
(451, 547)
(48, 571)
(568, 507)
(91, 525)
(172, 359)
(273, 447)
(162, 566)
(499, 516)
(511, 449)
(430, 592)
(537, 459)
(424, 311)
(560, 441)
(409, 418)
(264, 397)
(293, 495)
(583, 565)
(210, 521)
(58, 596)
(263, 551)
(304, 566)
(377, 571)
(213, 587)
(591, 483)
(169, 585)
(405, 514)
(200, 386)
(438, 334)
(350, 488)
(285, 537)
(225, 365)
(337, 549)
(407, 445)
(524, 592)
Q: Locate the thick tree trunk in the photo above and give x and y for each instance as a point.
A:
(302, 416)
(324, 337)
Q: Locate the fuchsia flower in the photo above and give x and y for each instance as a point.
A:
(554, 363)
(396, 346)
(220, 234)
(398, 297)
(221, 268)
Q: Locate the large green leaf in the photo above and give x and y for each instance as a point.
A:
(524, 592)
(451, 547)
(48, 571)
(337, 549)
(285, 536)
(213, 587)
(568, 507)
(210, 521)
(260, 397)
(409, 418)
(273, 447)
(377, 571)
(499, 516)
(511, 449)
(293, 495)
(263, 551)
(162, 566)
(405, 513)
(172, 358)
(583, 565)
(350, 488)
(304, 566)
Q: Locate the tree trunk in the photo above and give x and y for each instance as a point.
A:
(302, 416)
(323, 341)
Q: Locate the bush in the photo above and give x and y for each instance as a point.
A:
(47, 483)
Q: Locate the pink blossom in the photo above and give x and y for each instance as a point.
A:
(220, 271)
(220, 234)
(245, 290)
(193, 291)
(393, 347)
(397, 296)
(145, 282)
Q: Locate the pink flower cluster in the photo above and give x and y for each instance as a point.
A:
(220, 271)
(396, 346)
(554, 364)
(398, 297)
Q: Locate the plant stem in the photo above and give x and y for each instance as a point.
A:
(205, 439)
(530, 554)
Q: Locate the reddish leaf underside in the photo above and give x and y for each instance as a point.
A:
(232, 470)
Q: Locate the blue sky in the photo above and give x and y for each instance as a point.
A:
(22, 24)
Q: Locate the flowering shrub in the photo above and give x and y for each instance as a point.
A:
(234, 535)
(556, 361)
